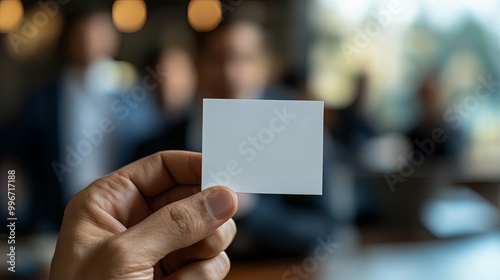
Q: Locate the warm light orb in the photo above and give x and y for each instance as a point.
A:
(204, 15)
(129, 15)
(22, 45)
(11, 15)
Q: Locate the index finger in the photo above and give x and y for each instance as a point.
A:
(156, 173)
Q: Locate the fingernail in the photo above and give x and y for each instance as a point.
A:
(219, 203)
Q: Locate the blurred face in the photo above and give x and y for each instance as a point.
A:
(178, 87)
(92, 38)
(234, 63)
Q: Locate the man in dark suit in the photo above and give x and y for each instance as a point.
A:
(234, 62)
(81, 126)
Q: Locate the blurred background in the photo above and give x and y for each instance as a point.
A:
(412, 123)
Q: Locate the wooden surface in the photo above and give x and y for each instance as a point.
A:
(263, 270)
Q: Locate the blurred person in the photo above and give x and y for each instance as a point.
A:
(431, 117)
(350, 125)
(147, 220)
(82, 125)
(352, 130)
(176, 87)
(175, 93)
(177, 90)
(234, 62)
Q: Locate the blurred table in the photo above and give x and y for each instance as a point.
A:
(263, 270)
(467, 258)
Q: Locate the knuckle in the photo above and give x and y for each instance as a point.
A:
(232, 228)
(182, 220)
(215, 242)
(79, 204)
(116, 246)
(224, 264)
(74, 204)
(217, 268)
(220, 239)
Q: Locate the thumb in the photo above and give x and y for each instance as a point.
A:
(180, 224)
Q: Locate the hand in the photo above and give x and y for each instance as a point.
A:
(147, 220)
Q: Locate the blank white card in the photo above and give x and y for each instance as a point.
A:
(263, 146)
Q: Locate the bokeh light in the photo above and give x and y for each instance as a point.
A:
(11, 15)
(204, 15)
(45, 30)
(129, 15)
